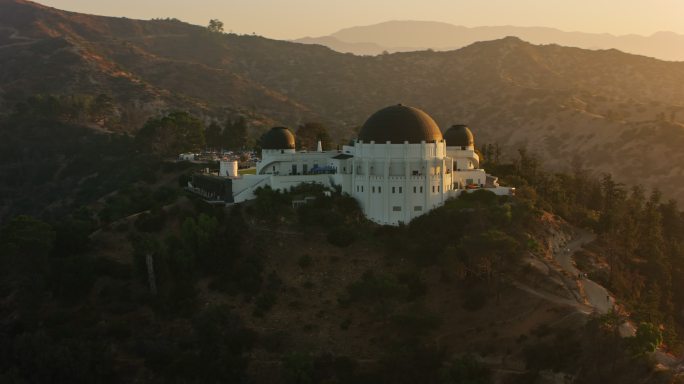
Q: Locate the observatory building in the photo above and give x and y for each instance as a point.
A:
(400, 166)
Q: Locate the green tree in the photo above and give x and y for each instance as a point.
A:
(234, 133)
(298, 368)
(204, 241)
(224, 342)
(40, 107)
(528, 166)
(309, 134)
(613, 196)
(102, 108)
(647, 339)
(466, 370)
(172, 134)
(25, 244)
(215, 25)
(213, 135)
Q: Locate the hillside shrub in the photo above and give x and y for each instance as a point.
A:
(341, 236)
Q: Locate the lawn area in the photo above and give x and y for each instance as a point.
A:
(247, 171)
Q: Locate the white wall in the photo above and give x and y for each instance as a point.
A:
(393, 183)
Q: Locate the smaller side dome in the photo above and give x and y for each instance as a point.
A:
(278, 138)
(459, 135)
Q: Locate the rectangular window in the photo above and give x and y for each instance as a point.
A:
(362, 188)
(400, 189)
(417, 208)
(433, 189)
(396, 208)
(373, 189)
(294, 169)
(439, 188)
(379, 189)
(392, 189)
(414, 190)
(421, 189)
(305, 168)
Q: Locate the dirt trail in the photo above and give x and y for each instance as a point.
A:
(564, 255)
(594, 294)
(599, 298)
(23, 40)
(559, 266)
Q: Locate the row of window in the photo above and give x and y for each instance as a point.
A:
(397, 208)
(435, 188)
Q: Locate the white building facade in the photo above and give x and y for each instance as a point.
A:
(400, 166)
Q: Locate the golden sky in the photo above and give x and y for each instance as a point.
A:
(289, 19)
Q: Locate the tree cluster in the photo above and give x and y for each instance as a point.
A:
(76, 109)
(640, 235)
(231, 135)
(172, 134)
(309, 134)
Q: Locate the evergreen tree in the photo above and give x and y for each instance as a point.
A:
(215, 26)
(613, 195)
(213, 136)
(172, 134)
(309, 134)
(234, 134)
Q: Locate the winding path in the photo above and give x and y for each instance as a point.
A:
(14, 35)
(595, 295)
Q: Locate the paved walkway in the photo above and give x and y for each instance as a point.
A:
(595, 294)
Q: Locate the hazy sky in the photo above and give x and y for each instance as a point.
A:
(287, 19)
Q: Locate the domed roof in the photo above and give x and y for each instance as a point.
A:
(459, 136)
(278, 138)
(399, 123)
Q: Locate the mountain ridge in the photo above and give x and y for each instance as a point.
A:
(416, 35)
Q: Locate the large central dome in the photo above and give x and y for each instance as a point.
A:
(399, 123)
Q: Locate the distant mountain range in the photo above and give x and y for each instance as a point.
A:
(611, 111)
(404, 36)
